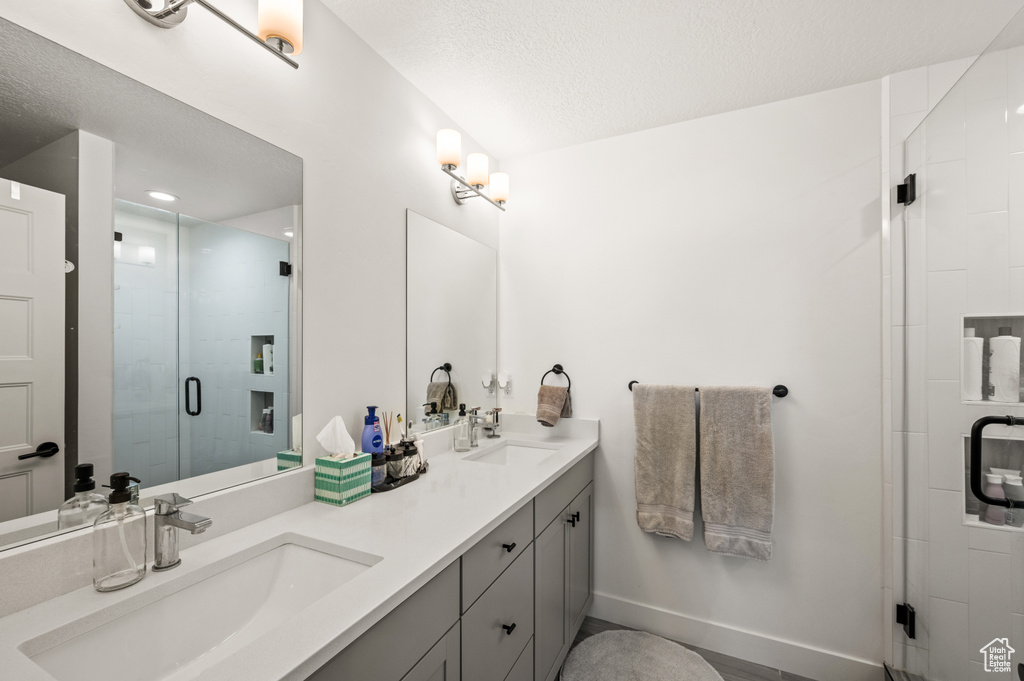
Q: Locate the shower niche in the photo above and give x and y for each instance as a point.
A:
(990, 359)
(1001, 455)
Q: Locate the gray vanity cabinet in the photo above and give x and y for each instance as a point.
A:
(563, 590)
(395, 646)
(534, 571)
(581, 539)
(443, 662)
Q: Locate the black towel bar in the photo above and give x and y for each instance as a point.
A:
(778, 391)
(557, 369)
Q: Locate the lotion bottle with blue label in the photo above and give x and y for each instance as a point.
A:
(373, 440)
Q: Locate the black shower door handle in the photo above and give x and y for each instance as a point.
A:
(199, 397)
(976, 474)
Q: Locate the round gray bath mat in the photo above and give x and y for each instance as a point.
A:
(634, 656)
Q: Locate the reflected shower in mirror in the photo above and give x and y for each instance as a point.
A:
(152, 255)
(451, 322)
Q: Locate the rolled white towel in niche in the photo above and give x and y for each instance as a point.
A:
(970, 366)
(1004, 366)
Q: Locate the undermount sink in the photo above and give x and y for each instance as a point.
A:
(204, 622)
(514, 454)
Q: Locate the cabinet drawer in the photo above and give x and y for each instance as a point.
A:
(561, 492)
(488, 650)
(482, 564)
(419, 622)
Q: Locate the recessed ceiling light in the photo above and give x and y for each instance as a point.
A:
(161, 196)
(289, 233)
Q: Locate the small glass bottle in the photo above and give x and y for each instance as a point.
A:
(462, 431)
(82, 508)
(119, 539)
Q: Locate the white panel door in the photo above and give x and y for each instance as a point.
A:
(31, 348)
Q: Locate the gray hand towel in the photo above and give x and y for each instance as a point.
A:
(666, 458)
(737, 471)
(553, 403)
(443, 393)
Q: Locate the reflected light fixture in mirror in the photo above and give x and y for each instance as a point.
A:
(279, 23)
(160, 196)
(449, 155)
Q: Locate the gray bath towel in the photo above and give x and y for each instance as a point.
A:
(666, 457)
(443, 393)
(553, 403)
(737, 471)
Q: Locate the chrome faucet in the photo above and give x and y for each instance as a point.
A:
(168, 517)
(493, 427)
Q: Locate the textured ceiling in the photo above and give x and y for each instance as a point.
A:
(523, 76)
(219, 171)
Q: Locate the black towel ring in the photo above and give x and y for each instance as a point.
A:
(557, 369)
(447, 368)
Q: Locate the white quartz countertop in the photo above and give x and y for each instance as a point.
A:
(417, 530)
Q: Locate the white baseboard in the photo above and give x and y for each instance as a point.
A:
(802, 660)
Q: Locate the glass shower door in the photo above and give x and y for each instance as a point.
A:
(233, 347)
(201, 346)
(959, 562)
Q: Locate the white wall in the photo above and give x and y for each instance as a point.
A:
(741, 249)
(367, 140)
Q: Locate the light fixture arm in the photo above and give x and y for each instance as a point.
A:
(463, 190)
(176, 11)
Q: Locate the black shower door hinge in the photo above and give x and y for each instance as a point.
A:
(907, 192)
(905, 615)
(286, 269)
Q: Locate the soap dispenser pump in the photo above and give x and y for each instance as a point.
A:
(119, 539)
(82, 508)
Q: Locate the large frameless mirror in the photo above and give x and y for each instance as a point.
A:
(451, 319)
(150, 303)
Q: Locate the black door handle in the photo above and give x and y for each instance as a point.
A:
(509, 547)
(509, 628)
(199, 397)
(44, 451)
(976, 440)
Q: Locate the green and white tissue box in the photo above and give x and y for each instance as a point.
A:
(341, 481)
(289, 460)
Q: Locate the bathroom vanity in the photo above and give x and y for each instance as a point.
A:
(479, 570)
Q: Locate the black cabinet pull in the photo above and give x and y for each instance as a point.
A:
(574, 518)
(43, 451)
(509, 628)
(509, 547)
(199, 397)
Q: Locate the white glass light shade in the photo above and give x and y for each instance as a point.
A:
(499, 187)
(449, 147)
(281, 19)
(476, 169)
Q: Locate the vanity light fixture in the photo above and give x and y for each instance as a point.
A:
(279, 23)
(449, 155)
(160, 196)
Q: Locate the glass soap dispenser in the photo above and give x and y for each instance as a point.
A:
(119, 539)
(82, 508)
(463, 431)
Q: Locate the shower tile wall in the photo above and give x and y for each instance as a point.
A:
(145, 345)
(232, 290)
(965, 255)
